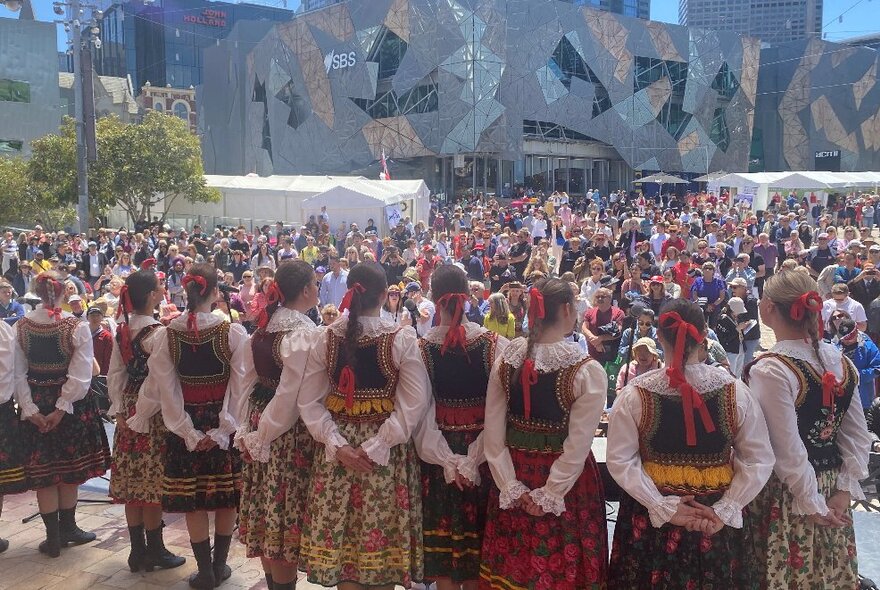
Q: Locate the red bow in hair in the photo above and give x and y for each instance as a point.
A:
(273, 296)
(198, 280)
(456, 334)
(125, 305)
(192, 324)
(54, 313)
(346, 386)
(148, 264)
(809, 301)
(356, 289)
(536, 306)
(691, 400)
(527, 378)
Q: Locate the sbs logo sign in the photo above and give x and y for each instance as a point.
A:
(339, 61)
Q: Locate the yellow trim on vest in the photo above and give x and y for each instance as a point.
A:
(366, 407)
(685, 476)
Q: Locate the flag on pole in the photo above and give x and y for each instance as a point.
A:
(384, 174)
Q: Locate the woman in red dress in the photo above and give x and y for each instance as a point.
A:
(545, 525)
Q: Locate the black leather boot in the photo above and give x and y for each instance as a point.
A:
(222, 571)
(70, 533)
(270, 584)
(157, 555)
(287, 586)
(4, 545)
(204, 578)
(52, 545)
(138, 548)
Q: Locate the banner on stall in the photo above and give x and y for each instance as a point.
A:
(393, 214)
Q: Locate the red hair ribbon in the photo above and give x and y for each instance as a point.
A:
(346, 386)
(198, 280)
(809, 301)
(830, 389)
(456, 334)
(690, 398)
(527, 378)
(148, 264)
(273, 296)
(536, 306)
(56, 286)
(54, 313)
(125, 306)
(356, 289)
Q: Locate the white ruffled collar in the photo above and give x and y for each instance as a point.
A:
(41, 315)
(285, 320)
(137, 322)
(437, 334)
(204, 319)
(703, 378)
(832, 357)
(547, 357)
(371, 326)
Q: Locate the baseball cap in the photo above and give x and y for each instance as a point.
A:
(656, 279)
(737, 306)
(875, 248)
(823, 236)
(93, 244)
(738, 282)
(413, 287)
(94, 309)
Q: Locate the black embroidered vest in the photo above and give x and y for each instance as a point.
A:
(375, 378)
(48, 349)
(203, 363)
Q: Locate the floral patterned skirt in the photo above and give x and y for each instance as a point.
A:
(796, 553)
(200, 480)
(274, 494)
(548, 552)
(136, 469)
(12, 478)
(74, 452)
(454, 519)
(673, 558)
(364, 528)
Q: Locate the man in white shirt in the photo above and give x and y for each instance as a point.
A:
(841, 301)
(539, 227)
(658, 238)
(425, 318)
(333, 285)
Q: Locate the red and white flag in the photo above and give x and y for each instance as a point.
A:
(384, 174)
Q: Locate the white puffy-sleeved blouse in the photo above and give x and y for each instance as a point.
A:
(282, 411)
(410, 404)
(776, 388)
(430, 443)
(79, 371)
(752, 457)
(163, 386)
(590, 390)
(7, 363)
(117, 374)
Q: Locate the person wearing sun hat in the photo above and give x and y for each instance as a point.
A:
(645, 357)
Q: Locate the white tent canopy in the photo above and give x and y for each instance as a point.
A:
(264, 199)
(760, 184)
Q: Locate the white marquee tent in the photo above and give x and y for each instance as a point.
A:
(761, 184)
(270, 198)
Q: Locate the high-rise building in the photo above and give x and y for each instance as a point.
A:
(161, 42)
(773, 21)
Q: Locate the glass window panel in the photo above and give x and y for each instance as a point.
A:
(10, 145)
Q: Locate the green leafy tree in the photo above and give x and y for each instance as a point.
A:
(142, 165)
(24, 201)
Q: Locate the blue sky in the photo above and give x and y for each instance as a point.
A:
(860, 17)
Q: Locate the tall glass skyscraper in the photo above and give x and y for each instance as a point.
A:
(773, 21)
(162, 41)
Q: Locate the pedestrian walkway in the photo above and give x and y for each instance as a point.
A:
(102, 565)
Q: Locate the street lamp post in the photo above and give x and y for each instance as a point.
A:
(77, 45)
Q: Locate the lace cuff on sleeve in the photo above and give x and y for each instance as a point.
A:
(138, 423)
(256, 447)
(729, 512)
(510, 494)
(334, 441)
(64, 405)
(28, 409)
(548, 502)
(221, 437)
(469, 470)
(849, 482)
(661, 513)
(192, 439)
(378, 451)
(815, 504)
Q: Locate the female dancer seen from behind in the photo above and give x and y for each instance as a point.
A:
(12, 478)
(820, 440)
(197, 367)
(63, 438)
(545, 526)
(278, 448)
(136, 471)
(687, 477)
(455, 479)
(364, 392)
